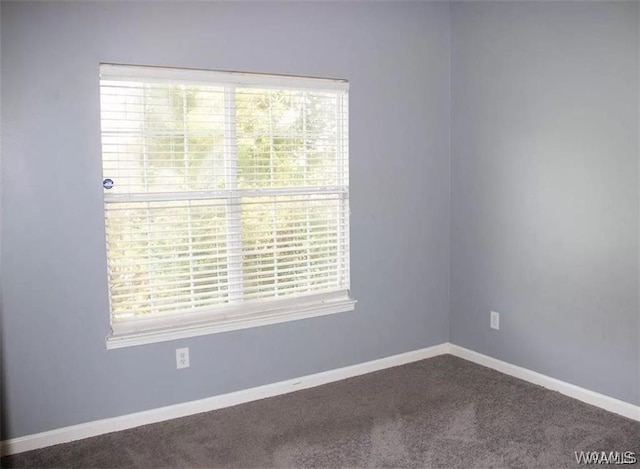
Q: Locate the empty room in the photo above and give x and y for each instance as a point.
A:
(320, 234)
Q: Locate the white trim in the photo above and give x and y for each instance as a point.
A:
(114, 198)
(114, 72)
(99, 427)
(611, 404)
(171, 327)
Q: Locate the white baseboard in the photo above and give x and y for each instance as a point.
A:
(590, 397)
(100, 427)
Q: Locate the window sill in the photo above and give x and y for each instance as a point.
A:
(274, 316)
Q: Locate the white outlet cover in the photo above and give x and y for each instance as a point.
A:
(495, 320)
(182, 358)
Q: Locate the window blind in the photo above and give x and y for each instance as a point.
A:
(226, 195)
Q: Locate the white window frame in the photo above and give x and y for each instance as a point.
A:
(239, 315)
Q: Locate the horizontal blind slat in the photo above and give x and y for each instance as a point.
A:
(177, 290)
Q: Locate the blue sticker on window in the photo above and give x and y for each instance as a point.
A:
(107, 183)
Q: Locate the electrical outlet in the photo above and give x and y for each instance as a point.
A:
(495, 320)
(182, 358)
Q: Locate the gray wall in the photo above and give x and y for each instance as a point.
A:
(56, 369)
(545, 188)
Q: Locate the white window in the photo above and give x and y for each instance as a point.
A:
(226, 200)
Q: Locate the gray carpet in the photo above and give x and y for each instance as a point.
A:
(442, 412)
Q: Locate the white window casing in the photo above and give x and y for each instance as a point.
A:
(226, 200)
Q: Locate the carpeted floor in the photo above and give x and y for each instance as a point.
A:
(443, 412)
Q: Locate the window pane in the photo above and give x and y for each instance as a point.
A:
(165, 254)
(163, 138)
(292, 245)
(287, 138)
